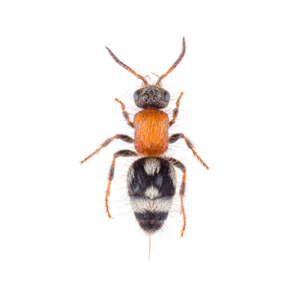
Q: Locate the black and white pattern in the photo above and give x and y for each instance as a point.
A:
(151, 186)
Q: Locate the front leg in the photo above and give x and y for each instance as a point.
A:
(175, 137)
(176, 110)
(125, 113)
(122, 137)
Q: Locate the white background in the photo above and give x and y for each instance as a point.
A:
(240, 76)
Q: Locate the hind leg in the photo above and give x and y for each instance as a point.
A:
(122, 153)
(181, 166)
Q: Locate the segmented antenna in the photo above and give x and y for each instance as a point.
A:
(126, 67)
(175, 64)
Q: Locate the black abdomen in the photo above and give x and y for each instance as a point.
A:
(151, 186)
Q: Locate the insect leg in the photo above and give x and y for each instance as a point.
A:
(122, 137)
(125, 113)
(176, 110)
(122, 153)
(181, 166)
(175, 137)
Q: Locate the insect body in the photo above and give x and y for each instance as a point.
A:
(151, 179)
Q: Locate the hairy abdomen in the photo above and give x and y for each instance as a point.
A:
(151, 187)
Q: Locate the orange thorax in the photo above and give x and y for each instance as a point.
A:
(151, 132)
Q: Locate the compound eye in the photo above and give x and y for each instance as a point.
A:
(167, 96)
(136, 96)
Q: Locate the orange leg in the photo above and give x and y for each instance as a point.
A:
(122, 153)
(184, 218)
(122, 137)
(176, 110)
(182, 211)
(181, 166)
(175, 137)
(106, 200)
(125, 113)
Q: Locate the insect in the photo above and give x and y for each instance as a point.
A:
(151, 179)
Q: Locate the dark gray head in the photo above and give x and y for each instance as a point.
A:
(151, 96)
